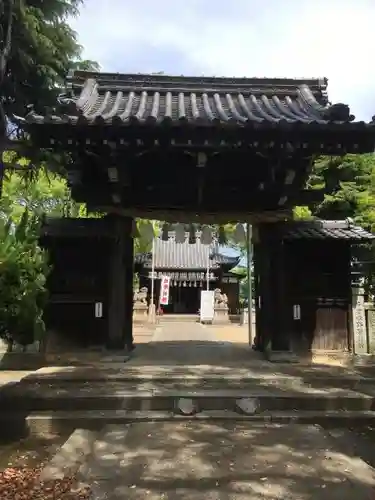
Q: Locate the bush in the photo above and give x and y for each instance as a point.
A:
(23, 274)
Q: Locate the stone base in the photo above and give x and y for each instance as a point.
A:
(221, 316)
(140, 313)
(282, 357)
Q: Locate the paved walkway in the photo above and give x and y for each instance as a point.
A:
(190, 344)
(223, 461)
(183, 332)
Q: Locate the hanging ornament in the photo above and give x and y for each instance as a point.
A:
(135, 232)
(206, 235)
(146, 231)
(222, 236)
(184, 283)
(180, 233)
(239, 234)
(192, 238)
(165, 232)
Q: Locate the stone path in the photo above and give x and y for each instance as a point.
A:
(183, 332)
(184, 344)
(218, 461)
(238, 334)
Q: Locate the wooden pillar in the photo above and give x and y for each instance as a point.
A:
(280, 340)
(269, 307)
(265, 292)
(129, 279)
(257, 297)
(271, 330)
(119, 270)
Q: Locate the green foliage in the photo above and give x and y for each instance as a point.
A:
(302, 213)
(46, 194)
(23, 272)
(43, 49)
(349, 182)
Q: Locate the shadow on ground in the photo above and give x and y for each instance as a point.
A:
(224, 461)
(183, 365)
(200, 366)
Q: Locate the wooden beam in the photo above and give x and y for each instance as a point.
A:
(309, 196)
(186, 216)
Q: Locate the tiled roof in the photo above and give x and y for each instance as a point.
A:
(320, 229)
(172, 255)
(129, 99)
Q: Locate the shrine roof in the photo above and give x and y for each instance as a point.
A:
(112, 98)
(172, 255)
(325, 229)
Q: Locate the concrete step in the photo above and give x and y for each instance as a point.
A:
(229, 381)
(178, 318)
(260, 373)
(39, 423)
(118, 396)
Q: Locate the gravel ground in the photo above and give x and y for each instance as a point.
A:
(21, 463)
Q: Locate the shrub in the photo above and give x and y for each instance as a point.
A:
(23, 274)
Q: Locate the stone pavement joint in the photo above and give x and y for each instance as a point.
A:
(71, 454)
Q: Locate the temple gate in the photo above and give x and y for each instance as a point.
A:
(197, 150)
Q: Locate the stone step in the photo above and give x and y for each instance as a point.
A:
(178, 318)
(91, 397)
(39, 423)
(135, 379)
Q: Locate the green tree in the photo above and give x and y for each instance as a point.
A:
(41, 50)
(47, 194)
(349, 183)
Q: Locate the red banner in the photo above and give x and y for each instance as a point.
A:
(164, 290)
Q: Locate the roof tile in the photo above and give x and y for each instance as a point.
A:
(172, 255)
(127, 99)
(325, 229)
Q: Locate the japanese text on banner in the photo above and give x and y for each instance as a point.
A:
(164, 290)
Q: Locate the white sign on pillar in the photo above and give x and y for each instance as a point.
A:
(359, 321)
(98, 310)
(164, 290)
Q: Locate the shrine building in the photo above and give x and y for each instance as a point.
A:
(187, 264)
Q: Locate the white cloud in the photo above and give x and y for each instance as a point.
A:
(290, 38)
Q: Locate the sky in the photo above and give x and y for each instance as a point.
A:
(254, 38)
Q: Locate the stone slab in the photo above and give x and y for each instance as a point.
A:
(39, 423)
(231, 461)
(72, 453)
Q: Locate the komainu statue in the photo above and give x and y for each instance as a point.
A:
(140, 296)
(221, 299)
